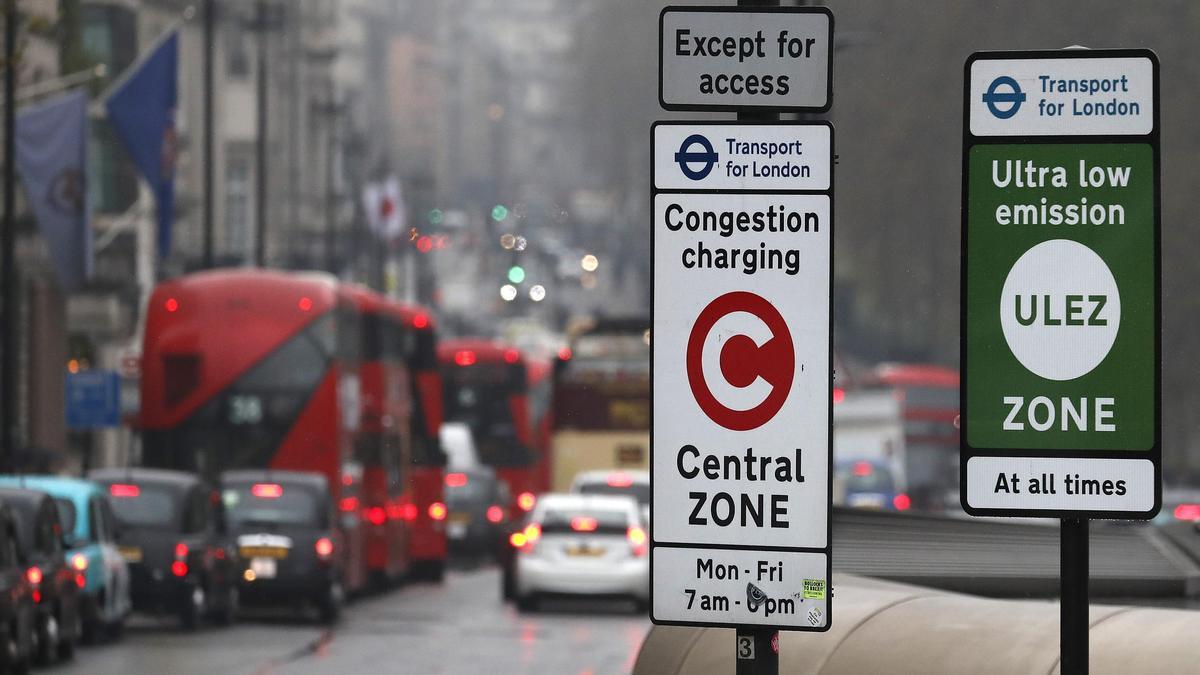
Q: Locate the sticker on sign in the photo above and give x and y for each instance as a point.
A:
(735, 58)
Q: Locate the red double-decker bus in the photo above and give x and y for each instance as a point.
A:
(487, 386)
(246, 368)
(426, 511)
(928, 396)
(381, 446)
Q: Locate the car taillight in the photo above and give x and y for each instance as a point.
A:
(79, 562)
(527, 538)
(267, 490)
(583, 524)
(34, 575)
(902, 502)
(495, 514)
(410, 511)
(637, 540)
(324, 548)
(1188, 512)
(348, 504)
(619, 480)
(437, 511)
(180, 567)
(456, 479)
(375, 515)
(526, 501)
(124, 490)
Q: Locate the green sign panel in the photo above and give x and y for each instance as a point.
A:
(1060, 285)
(1061, 298)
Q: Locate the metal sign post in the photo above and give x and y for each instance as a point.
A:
(741, 356)
(1061, 296)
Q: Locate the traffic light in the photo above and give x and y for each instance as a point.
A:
(499, 213)
(516, 274)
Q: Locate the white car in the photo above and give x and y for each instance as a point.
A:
(635, 484)
(574, 544)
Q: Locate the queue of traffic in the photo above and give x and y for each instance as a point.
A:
(295, 435)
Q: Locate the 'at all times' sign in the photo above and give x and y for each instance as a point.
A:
(1061, 285)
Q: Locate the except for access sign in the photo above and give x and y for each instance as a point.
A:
(741, 375)
(1061, 314)
(737, 58)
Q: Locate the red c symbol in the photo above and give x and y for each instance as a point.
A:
(743, 361)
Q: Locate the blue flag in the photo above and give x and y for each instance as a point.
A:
(142, 112)
(51, 148)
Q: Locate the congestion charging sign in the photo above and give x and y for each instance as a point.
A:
(1061, 291)
(741, 352)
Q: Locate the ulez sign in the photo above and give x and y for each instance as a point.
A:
(1060, 285)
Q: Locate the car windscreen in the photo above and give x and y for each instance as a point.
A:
(145, 506)
(639, 491)
(272, 503)
(66, 513)
(866, 478)
(584, 521)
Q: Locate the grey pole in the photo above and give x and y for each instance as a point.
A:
(8, 242)
(209, 21)
(260, 143)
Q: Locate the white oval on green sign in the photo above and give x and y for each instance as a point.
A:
(1060, 309)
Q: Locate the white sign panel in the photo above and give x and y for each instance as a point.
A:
(1061, 96)
(742, 387)
(785, 589)
(1060, 484)
(721, 58)
(734, 156)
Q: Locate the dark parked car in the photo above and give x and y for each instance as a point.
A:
(283, 525)
(172, 533)
(477, 504)
(54, 579)
(17, 614)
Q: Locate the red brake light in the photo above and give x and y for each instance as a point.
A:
(420, 321)
(376, 515)
(637, 539)
(409, 512)
(839, 395)
(863, 469)
(437, 511)
(464, 357)
(181, 550)
(1187, 512)
(121, 490)
(902, 502)
(511, 356)
(305, 304)
(267, 490)
(348, 504)
(34, 575)
(526, 500)
(583, 524)
(456, 479)
(179, 568)
(495, 514)
(171, 304)
(564, 354)
(619, 480)
(324, 547)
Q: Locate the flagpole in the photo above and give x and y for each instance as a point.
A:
(8, 241)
